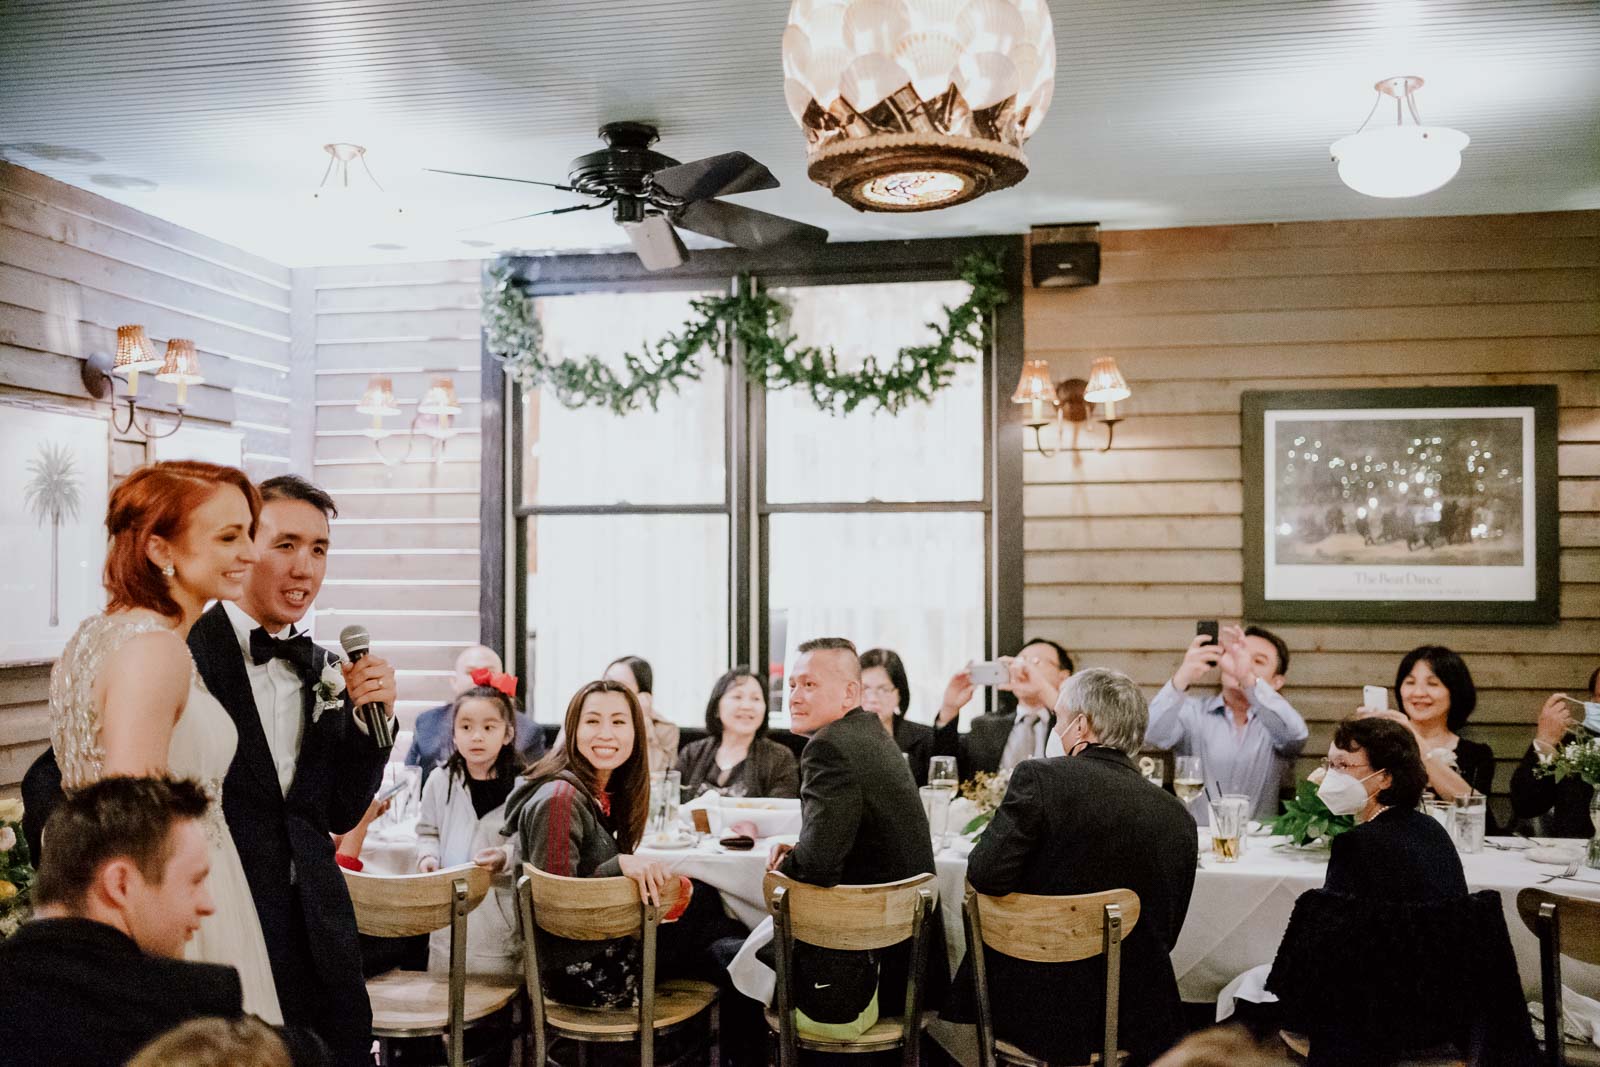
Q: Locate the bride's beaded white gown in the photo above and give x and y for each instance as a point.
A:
(202, 747)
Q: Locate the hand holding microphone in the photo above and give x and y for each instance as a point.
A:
(370, 683)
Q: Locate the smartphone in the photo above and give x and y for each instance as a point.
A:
(393, 789)
(1209, 628)
(989, 672)
(1374, 696)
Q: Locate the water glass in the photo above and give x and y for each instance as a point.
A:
(1440, 811)
(942, 773)
(936, 805)
(1228, 815)
(1471, 819)
(666, 791)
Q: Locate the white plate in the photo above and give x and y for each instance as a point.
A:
(662, 842)
(1555, 855)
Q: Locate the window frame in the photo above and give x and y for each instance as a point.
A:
(504, 517)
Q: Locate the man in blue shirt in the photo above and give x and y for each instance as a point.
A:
(1245, 735)
(430, 741)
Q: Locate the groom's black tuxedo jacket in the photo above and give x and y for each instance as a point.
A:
(283, 841)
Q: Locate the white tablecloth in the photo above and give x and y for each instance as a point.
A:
(1236, 917)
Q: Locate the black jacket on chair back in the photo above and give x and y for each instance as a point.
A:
(1085, 824)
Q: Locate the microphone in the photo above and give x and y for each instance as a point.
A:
(356, 642)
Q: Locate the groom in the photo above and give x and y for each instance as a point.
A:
(303, 769)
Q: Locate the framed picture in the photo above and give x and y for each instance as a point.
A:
(53, 489)
(1401, 505)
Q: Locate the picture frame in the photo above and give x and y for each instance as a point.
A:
(1401, 505)
(53, 492)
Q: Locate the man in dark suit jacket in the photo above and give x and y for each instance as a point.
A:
(997, 741)
(304, 768)
(861, 820)
(431, 741)
(1083, 824)
(99, 971)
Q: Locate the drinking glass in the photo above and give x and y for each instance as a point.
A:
(936, 804)
(1228, 816)
(1472, 815)
(942, 773)
(1440, 811)
(1188, 777)
(665, 795)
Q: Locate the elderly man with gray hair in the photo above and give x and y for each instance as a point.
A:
(1084, 823)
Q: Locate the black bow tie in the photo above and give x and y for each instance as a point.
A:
(299, 650)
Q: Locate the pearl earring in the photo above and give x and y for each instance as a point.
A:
(169, 570)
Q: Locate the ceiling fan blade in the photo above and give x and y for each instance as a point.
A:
(744, 226)
(498, 178)
(656, 242)
(701, 179)
(534, 215)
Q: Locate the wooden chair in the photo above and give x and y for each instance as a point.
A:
(1565, 926)
(416, 1003)
(850, 918)
(600, 909)
(1048, 930)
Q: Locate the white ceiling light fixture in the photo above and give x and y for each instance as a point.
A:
(914, 105)
(363, 195)
(1399, 160)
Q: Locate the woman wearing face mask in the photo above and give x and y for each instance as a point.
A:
(1374, 771)
(1434, 690)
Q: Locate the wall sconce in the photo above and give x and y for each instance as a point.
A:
(432, 419)
(135, 353)
(1071, 398)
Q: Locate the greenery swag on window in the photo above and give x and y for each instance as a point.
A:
(771, 354)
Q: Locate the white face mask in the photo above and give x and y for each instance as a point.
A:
(1344, 794)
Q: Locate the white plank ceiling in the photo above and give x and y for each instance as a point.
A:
(212, 113)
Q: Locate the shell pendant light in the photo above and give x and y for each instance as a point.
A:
(912, 105)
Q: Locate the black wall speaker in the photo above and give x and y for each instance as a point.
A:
(1065, 256)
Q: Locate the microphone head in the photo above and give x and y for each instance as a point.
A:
(356, 640)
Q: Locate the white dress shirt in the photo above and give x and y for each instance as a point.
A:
(277, 690)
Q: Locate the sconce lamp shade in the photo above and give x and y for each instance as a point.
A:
(1106, 383)
(134, 351)
(440, 399)
(182, 364)
(378, 397)
(1035, 383)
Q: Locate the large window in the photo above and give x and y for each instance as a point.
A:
(732, 523)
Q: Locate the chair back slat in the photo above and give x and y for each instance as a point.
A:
(411, 904)
(850, 917)
(1052, 929)
(591, 909)
(1580, 921)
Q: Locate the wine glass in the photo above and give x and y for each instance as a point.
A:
(942, 773)
(1188, 777)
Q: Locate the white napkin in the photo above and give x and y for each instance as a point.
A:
(771, 815)
(750, 976)
(1250, 986)
(1580, 1016)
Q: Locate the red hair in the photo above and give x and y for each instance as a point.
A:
(156, 501)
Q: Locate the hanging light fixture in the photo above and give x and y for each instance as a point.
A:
(361, 195)
(1399, 160)
(913, 105)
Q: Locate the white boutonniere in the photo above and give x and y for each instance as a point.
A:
(330, 689)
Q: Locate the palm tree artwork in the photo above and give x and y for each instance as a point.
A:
(52, 493)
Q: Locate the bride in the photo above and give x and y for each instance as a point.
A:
(125, 698)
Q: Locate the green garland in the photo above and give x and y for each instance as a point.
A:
(771, 353)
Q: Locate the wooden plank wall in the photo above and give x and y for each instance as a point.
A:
(1124, 550)
(405, 554)
(74, 266)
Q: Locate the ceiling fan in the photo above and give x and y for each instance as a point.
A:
(650, 194)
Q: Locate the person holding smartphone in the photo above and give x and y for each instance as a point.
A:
(1246, 733)
(999, 740)
(1562, 807)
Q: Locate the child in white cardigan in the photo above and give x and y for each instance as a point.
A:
(463, 808)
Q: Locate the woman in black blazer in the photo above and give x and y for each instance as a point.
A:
(1395, 853)
(736, 758)
(887, 694)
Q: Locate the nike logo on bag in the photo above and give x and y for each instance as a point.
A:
(821, 985)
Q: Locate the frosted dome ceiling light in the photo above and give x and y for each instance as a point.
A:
(1399, 160)
(912, 105)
